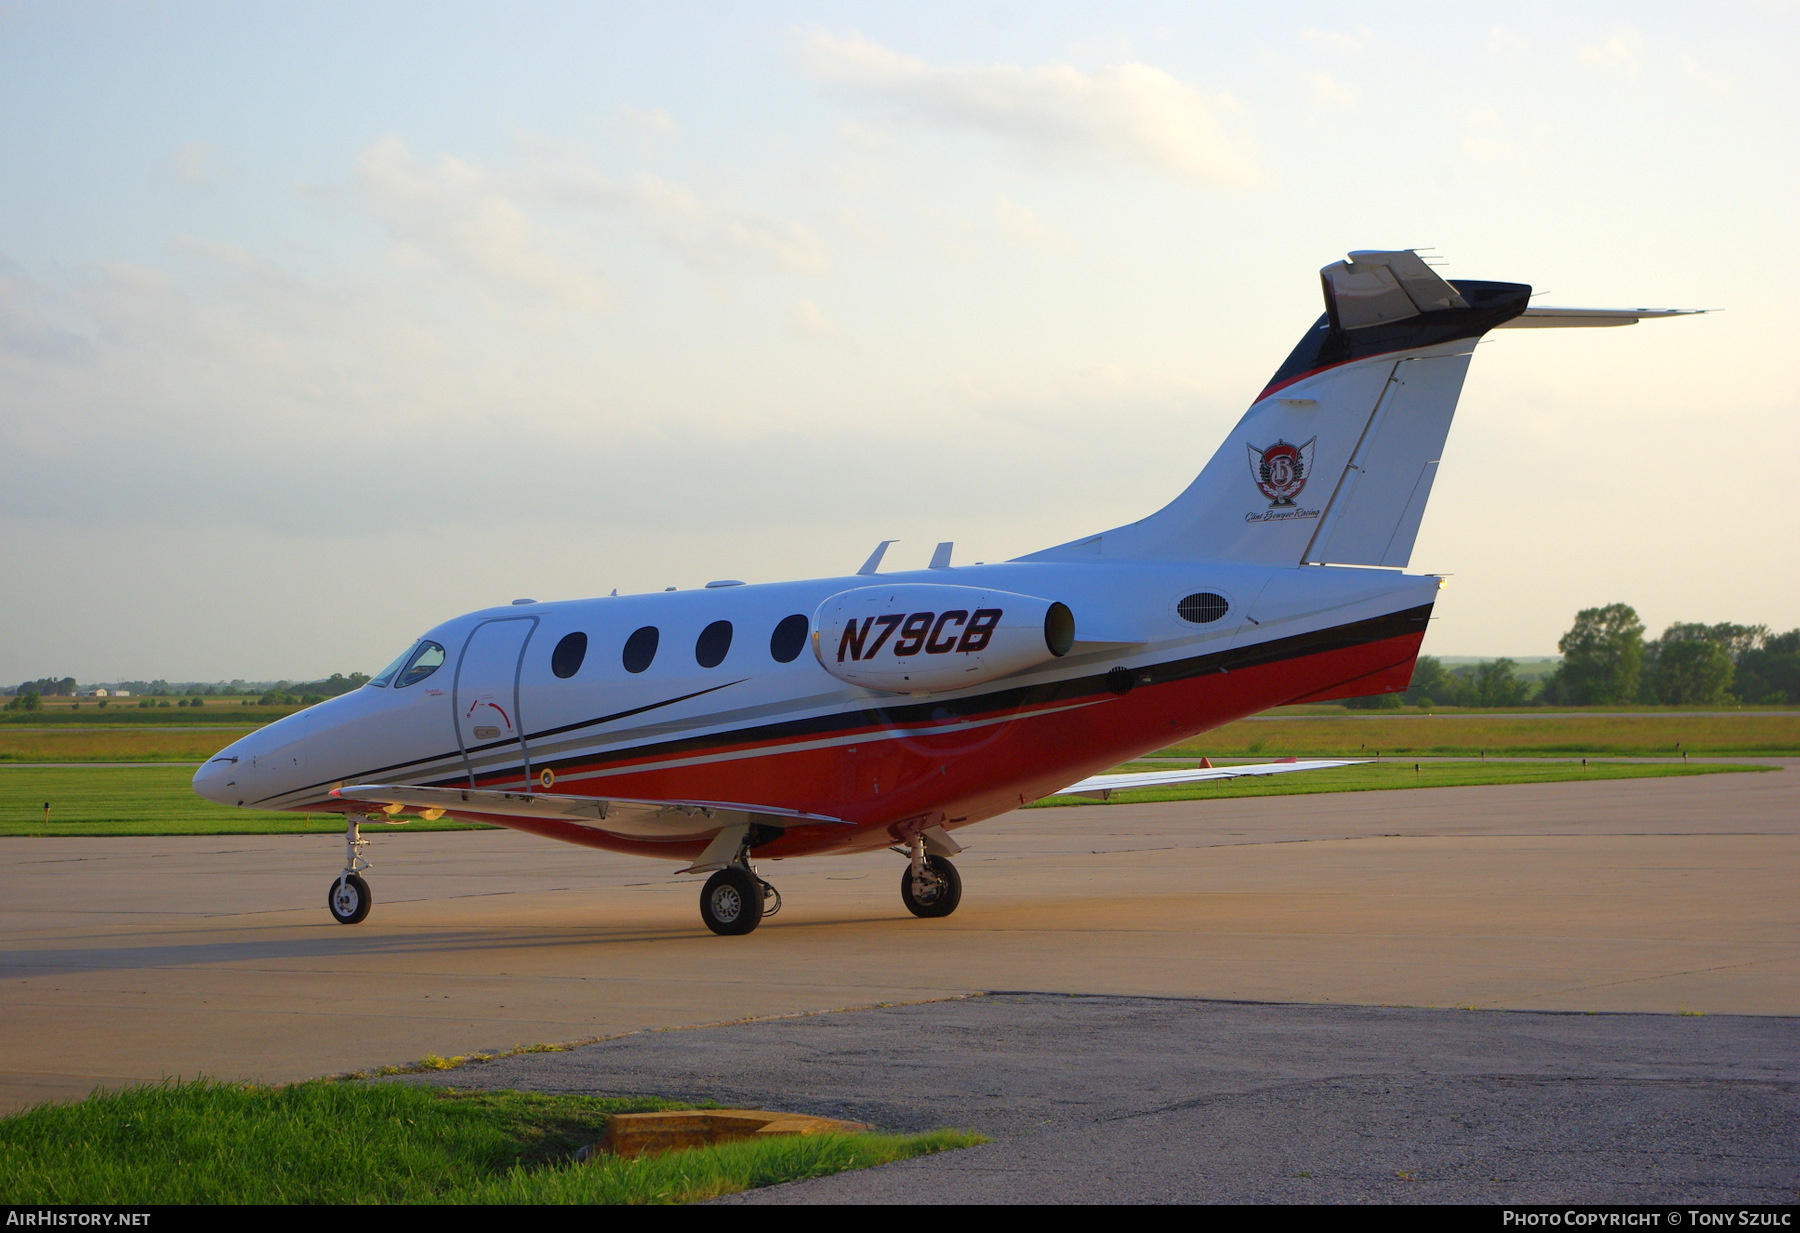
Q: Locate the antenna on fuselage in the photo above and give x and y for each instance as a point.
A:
(874, 562)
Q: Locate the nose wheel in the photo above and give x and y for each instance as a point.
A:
(349, 898)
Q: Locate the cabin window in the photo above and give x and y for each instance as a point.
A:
(1202, 608)
(640, 648)
(789, 638)
(713, 642)
(566, 659)
(425, 661)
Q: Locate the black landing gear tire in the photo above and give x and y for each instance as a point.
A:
(349, 899)
(941, 892)
(732, 902)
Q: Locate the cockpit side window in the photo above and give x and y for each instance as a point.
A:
(387, 674)
(425, 661)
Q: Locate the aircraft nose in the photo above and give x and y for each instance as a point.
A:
(216, 780)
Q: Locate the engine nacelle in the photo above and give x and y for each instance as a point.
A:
(920, 638)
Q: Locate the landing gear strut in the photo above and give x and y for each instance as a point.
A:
(349, 898)
(930, 885)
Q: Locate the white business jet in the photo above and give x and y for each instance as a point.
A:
(736, 723)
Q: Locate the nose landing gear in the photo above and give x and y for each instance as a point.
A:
(349, 898)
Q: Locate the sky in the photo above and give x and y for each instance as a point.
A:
(322, 323)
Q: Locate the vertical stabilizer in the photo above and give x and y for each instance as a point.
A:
(1334, 461)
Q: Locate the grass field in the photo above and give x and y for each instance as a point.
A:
(157, 800)
(343, 1143)
(1327, 732)
(1381, 776)
(115, 744)
(227, 711)
(150, 800)
(1728, 733)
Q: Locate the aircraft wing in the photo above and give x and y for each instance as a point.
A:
(625, 816)
(1106, 785)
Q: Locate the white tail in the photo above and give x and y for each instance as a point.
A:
(1334, 461)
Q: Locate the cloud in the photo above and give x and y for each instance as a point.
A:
(1327, 90)
(1702, 76)
(710, 234)
(654, 122)
(1489, 137)
(872, 139)
(198, 164)
(1486, 137)
(1338, 43)
(1622, 53)
(809, 322)
(1021, 226)
(1502, 43)
(453, 215)
(28, 333)
(1132, 111)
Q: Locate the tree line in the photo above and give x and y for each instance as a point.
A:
(1606, 661)
(268, 693)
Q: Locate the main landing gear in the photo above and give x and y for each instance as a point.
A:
(349, 898)
(735, 901)
(930, 885)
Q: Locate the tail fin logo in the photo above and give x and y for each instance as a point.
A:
(1281, 470)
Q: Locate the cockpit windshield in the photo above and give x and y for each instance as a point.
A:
(425, 661)
(387, 674)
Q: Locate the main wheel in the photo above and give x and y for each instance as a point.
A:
(941, 892)
(349, 899)
(732, 901)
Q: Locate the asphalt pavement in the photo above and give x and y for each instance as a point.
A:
(1131, 1099)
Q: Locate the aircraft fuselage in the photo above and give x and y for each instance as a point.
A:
(749, 728)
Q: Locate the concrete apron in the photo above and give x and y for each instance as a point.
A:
(133, 959)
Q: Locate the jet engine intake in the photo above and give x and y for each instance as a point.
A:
(921, 638)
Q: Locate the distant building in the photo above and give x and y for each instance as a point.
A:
(121, 693)
(93, 693)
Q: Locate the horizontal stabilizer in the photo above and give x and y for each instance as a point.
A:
(1548, 318)
(1105, 785)
(620, 815)
(1335, 460)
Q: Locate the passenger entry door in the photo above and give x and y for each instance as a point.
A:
(489, 729)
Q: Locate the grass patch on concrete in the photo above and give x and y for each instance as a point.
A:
(1380, 776)
(341, 1143)
(149, 800)
(1453, 734)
